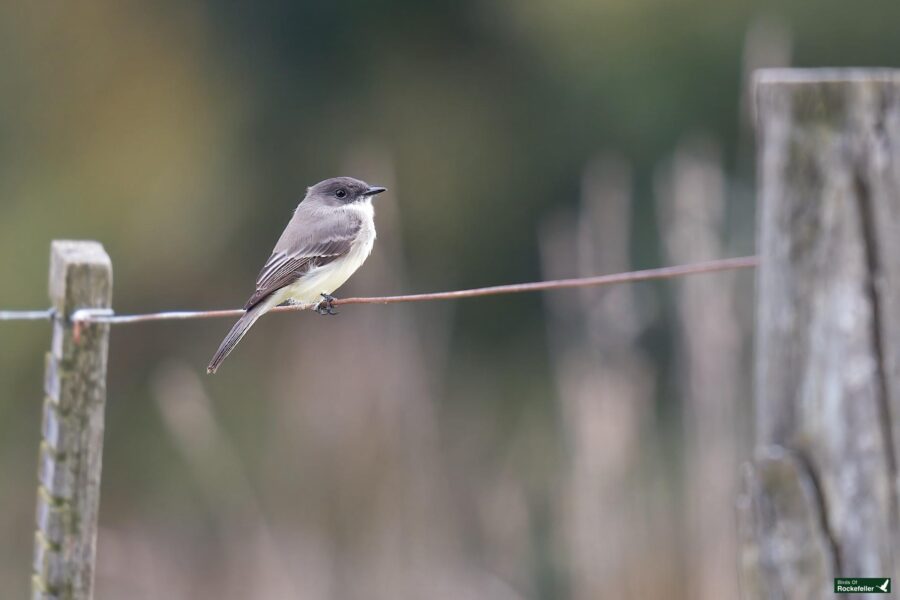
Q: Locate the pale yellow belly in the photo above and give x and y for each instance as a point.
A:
(324, 280)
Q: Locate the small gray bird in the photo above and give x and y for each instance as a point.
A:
(329, 237)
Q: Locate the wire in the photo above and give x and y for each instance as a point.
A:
(27, 315)
(106, 315)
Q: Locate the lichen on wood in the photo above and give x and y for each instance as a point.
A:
(72, 432)
(828, 333)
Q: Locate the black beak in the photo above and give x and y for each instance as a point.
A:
(372, 191)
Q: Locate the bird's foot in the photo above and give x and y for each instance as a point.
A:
(326, 306)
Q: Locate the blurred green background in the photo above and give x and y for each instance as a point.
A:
(571, 446)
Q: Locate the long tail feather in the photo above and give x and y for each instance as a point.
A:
(237, 332)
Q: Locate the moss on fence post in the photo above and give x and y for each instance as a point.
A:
(72, 437)
(820, 497)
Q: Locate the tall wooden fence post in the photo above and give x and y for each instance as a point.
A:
(820, 496)
(74, 402)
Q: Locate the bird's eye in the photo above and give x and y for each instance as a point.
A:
(342, 193)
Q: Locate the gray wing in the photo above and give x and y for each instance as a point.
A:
(313, 238)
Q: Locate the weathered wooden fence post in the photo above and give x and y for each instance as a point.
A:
(820, 497)
(74, 402)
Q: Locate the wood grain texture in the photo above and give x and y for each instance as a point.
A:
(828, 333)
(74, 402)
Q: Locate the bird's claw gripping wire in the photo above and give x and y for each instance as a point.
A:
(326, 306)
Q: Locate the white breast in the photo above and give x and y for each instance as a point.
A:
(328, 278)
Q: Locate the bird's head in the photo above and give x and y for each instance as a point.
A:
(342, 190)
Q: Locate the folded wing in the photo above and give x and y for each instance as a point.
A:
(309, 241)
